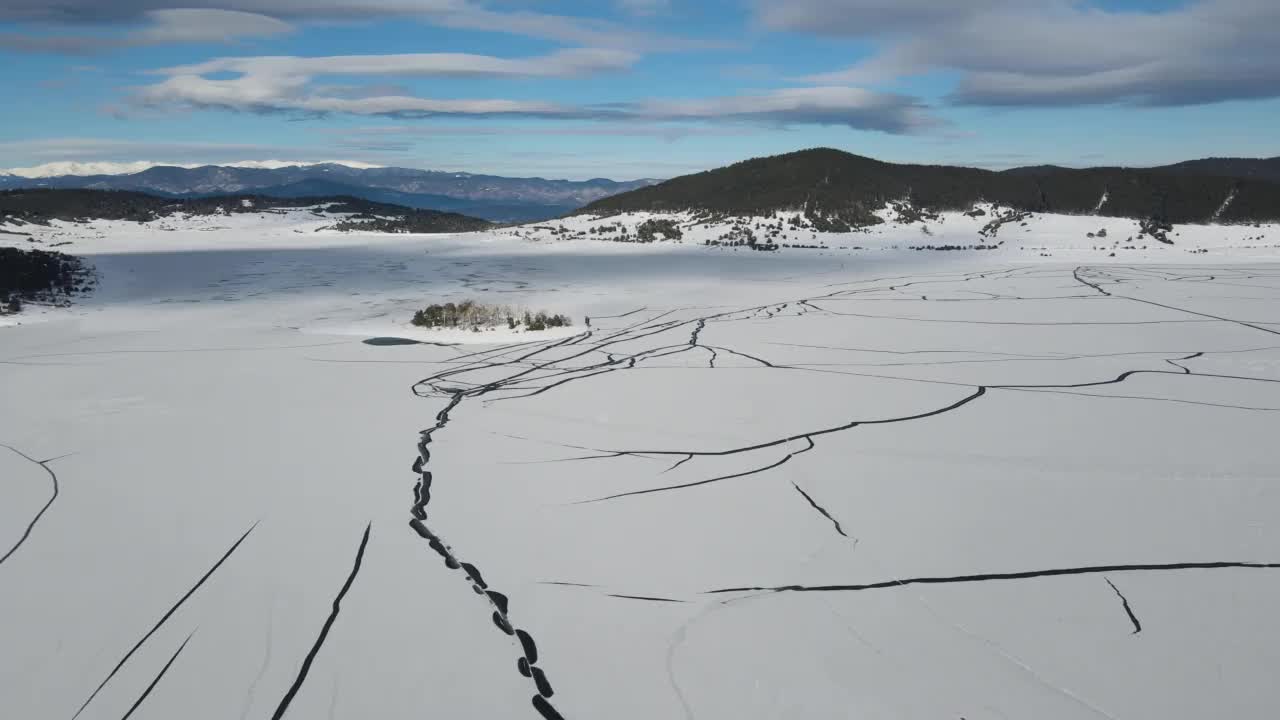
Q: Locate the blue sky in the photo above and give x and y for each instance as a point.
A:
(636, 88)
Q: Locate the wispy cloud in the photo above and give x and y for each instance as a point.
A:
(849, 106)
(285, 85)
(565, 63)
(457, 14)
(1055, 52)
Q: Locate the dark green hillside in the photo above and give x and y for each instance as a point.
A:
(838, 189)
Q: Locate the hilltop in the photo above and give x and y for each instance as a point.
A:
(836, 190)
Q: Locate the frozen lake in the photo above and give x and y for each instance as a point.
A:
(812, 484)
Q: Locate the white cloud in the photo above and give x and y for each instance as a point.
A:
(459, 14)
(1055, 52)
(190, 25)
(565, 63)
(284, 85)
(849, 106)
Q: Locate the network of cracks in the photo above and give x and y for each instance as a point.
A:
(692, 338)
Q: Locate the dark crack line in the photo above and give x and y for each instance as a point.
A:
(324, 630)
(1130, 373)
(1242, 323)
(545, 709)
(156, 681)
(1137, 626)
(614, 339)
(1038, 324)
(753, 358)
(988, 577)
(930, 352)
(819, 508)
(1076, 274)
(678, 463)
(160, 623)
(699, 326)
(979, 392)
(625, 314)
(545, 388)
(684, 486)
(53, 480)
(645, 597)
(527, 663)
(613, 364)
(1108, 396)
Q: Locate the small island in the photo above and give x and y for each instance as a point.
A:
(477, 316)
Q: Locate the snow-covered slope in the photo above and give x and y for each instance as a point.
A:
(1034, 481)
(995, 233)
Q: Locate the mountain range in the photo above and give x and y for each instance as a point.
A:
(39, 206)
(490, 197)
(837, 190)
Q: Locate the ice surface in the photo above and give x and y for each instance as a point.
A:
(877, 483)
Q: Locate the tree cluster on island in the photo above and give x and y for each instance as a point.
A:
(475, 316)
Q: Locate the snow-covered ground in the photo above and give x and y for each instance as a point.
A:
(1036, 481)
(1035, 236)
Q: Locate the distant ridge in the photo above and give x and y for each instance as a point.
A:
(1257, 169)
(40, 206)
(837, 190)
(490, 197)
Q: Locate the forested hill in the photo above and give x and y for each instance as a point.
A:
(1258, 169)
(847, 189)
(39, 206)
